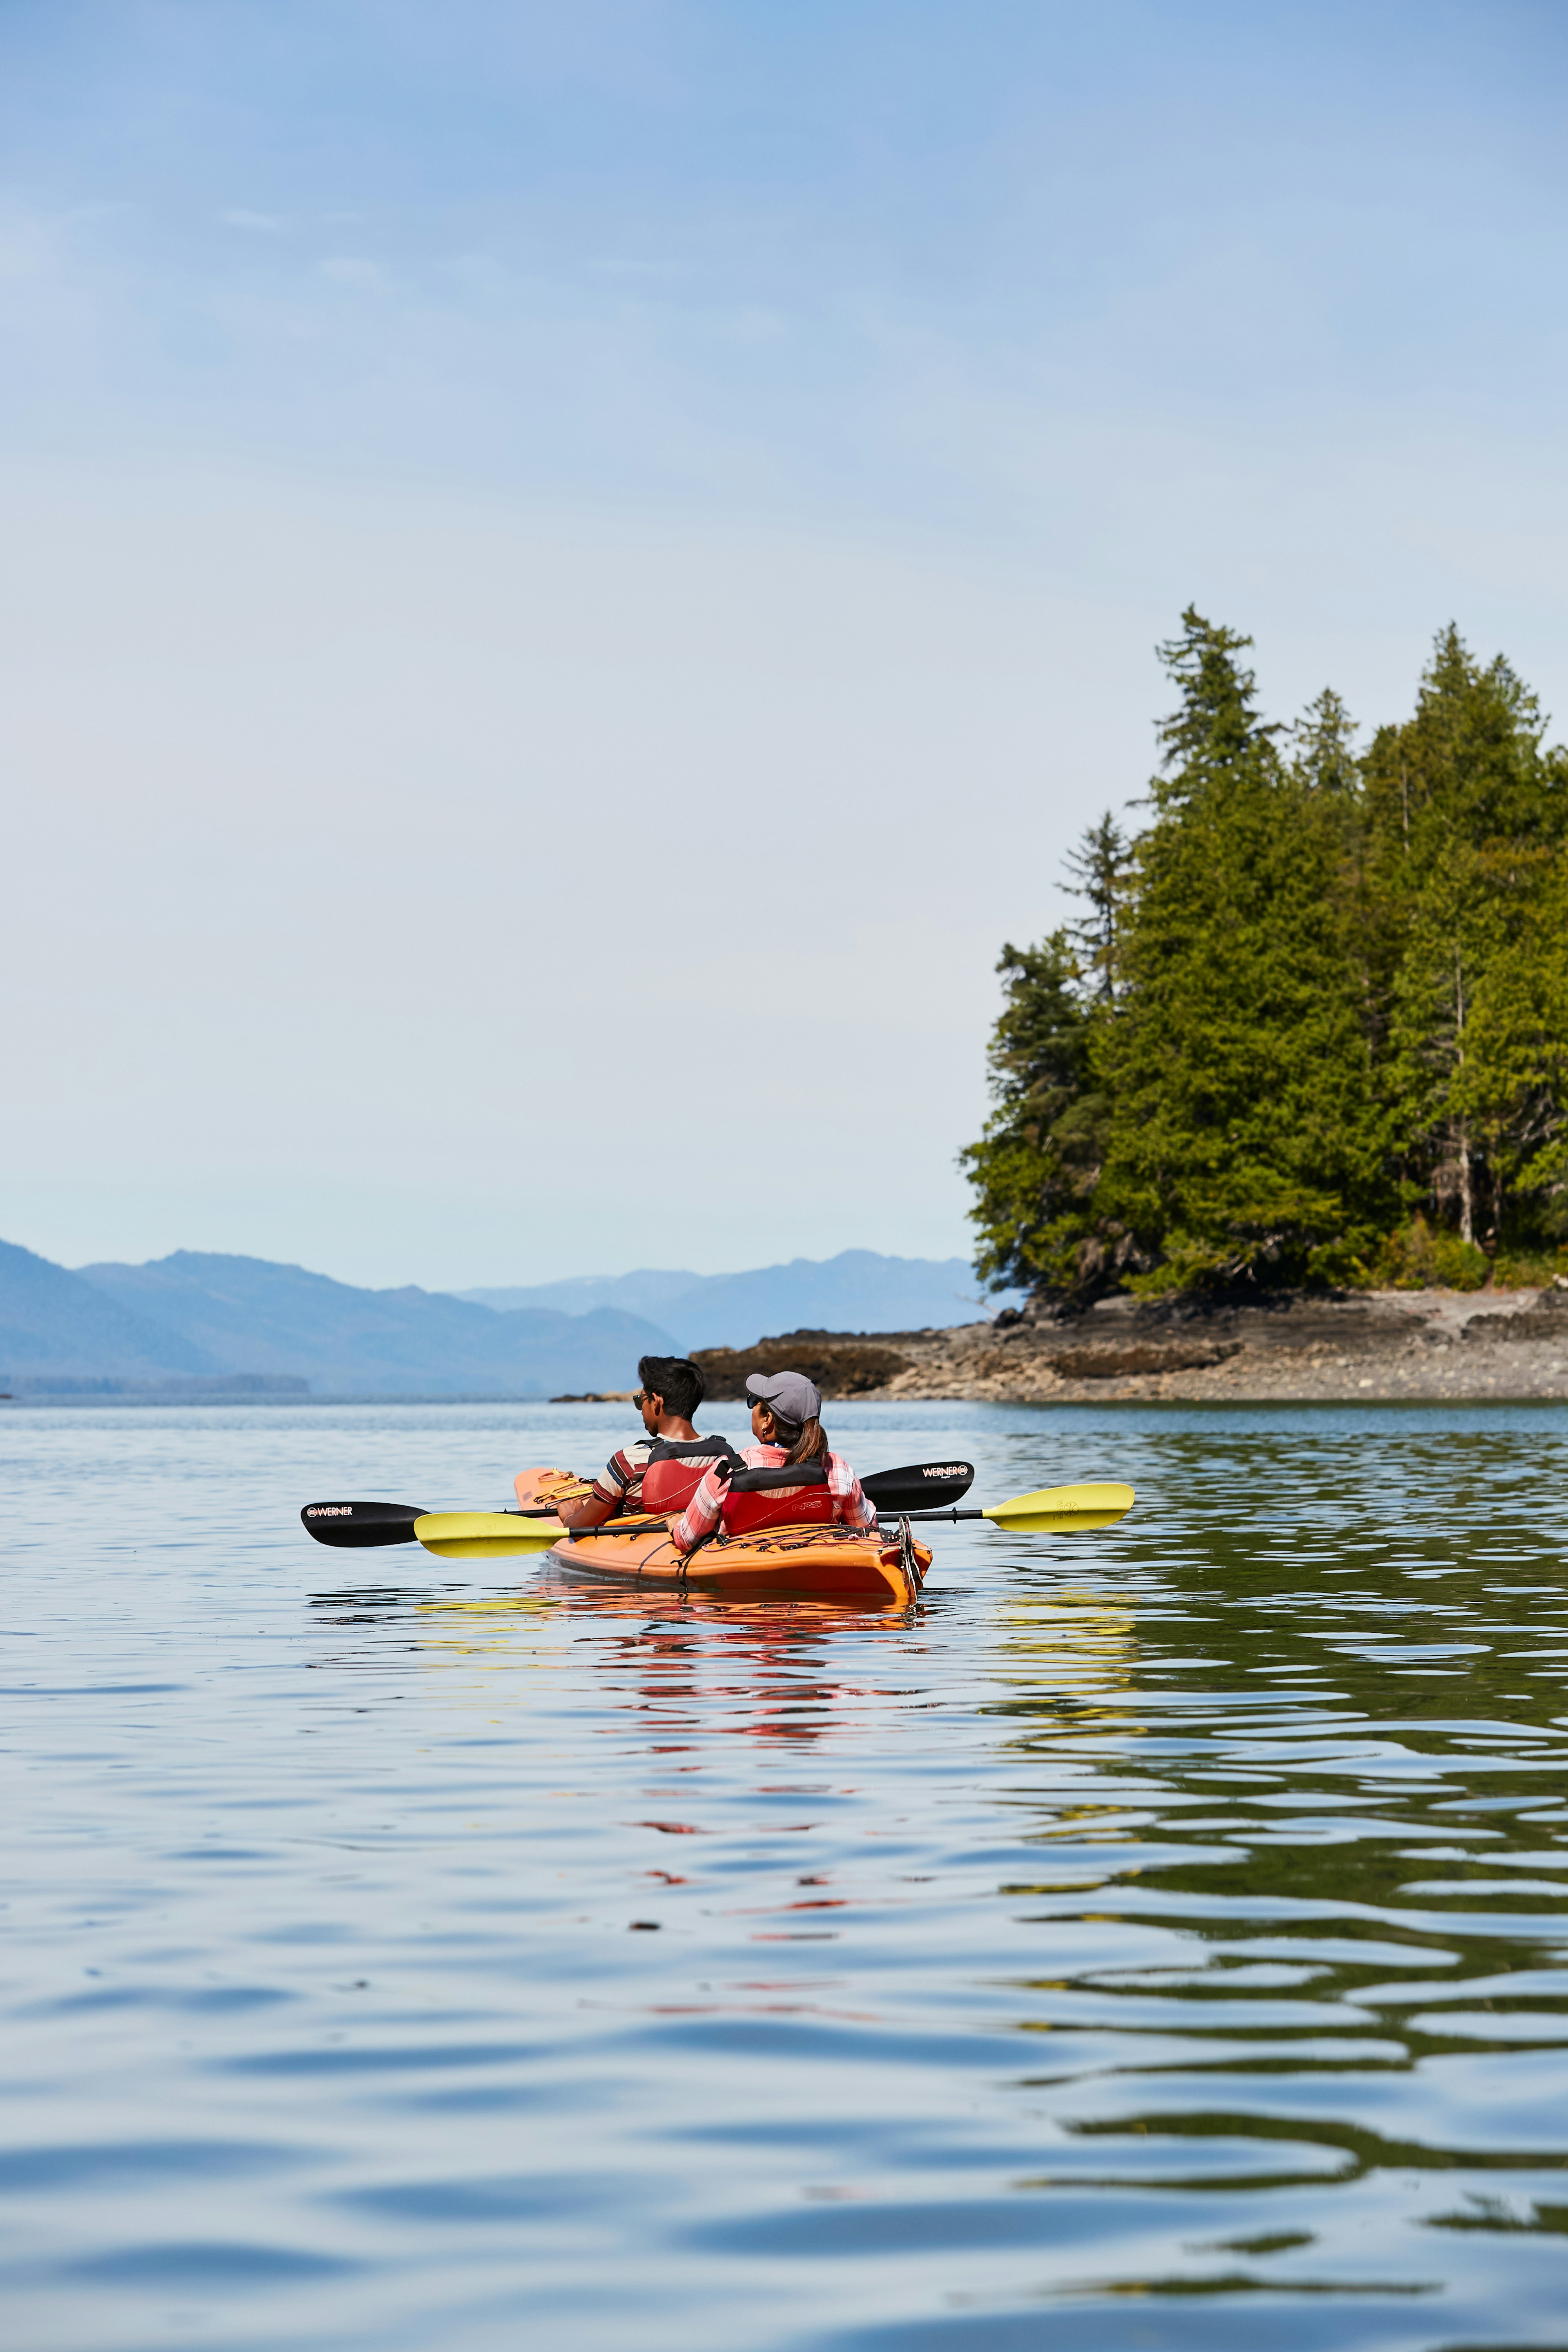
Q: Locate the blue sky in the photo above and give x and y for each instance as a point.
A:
(918, 264)
(529, 530)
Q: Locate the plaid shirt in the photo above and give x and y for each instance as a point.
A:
(703, 1511)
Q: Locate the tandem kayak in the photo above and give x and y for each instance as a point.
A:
(809, 1563)
(878, 1567)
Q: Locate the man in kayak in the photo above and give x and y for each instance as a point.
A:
(662, 1469)
(785, 1421)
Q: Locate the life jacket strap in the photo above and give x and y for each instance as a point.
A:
(762, 1481)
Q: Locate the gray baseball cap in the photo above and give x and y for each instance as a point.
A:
(790, 1395)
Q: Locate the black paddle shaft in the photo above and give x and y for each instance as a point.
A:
(932, 1515)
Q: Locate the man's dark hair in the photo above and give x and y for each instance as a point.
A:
(675, 1379)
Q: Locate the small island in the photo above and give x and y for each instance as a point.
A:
(1295, 1087)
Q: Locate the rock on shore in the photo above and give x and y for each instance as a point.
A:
(842, 1363)
(1361, 1350)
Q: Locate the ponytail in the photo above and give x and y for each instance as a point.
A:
(810, 1445)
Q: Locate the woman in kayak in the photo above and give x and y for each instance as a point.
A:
(785, 1421)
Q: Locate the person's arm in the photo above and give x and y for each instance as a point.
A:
(591, 1512)
(606, 1495)
(854, 1509)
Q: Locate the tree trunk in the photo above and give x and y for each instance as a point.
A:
(1467, 1190)
(1467, 1196)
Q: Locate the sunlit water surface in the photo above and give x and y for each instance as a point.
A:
(1157, 1939)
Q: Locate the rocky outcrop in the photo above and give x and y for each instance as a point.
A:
(1546, 1318)
(1364, 1348)
(842, 1363)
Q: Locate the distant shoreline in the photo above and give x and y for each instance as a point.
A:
(1429, 1347)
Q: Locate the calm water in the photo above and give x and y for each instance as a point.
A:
(1157, 1940)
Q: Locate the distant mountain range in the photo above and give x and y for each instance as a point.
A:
(856, 1291)
(196, 1323)
(53, 1324)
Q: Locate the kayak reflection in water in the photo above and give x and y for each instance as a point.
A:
(660, 1470)
(755, 1490)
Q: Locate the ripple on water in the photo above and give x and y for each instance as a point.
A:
(1155, 1939)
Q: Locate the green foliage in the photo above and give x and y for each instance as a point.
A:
(1345, 1262)
(1314, 1026)
(1244, 1119)
(1037, 1164)
(1529, 1269)
(1103, 866)
(1417, 1255)
(1470, 859)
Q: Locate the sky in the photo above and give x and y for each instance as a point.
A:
(568, 577)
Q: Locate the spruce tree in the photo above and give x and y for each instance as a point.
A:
(1244, 1137)
(1101, 866)
(1037, 1164)
(1319, 992)
(1467, 819)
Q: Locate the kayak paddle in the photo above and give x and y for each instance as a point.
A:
(1050, 1510)
(351, 1526)
(499, 1535)
(355, 1524)
(925, 1485)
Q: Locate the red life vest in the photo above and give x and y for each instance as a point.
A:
(675, 1471)
(779, 1498)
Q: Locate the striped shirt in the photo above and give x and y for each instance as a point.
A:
(620, 1483)
(703, 1511)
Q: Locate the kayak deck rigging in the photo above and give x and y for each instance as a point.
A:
(810, 1561)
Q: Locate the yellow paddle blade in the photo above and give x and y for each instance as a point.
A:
(484, 1534)
(1059, 1510)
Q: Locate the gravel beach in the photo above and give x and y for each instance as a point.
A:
(1373, 1346)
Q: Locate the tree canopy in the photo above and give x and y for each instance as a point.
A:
(1314, 1026)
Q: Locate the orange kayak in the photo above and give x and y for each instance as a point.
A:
(810, 1562)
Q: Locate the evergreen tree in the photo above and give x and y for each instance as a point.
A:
(1319, 992)
(1244, 1137)
(1325, 759)
(1101, 864)
(1037, 1164)
(1467, 820)
(1511, 1093)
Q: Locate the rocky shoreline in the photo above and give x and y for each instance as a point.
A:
(1378, 1346)
(1371, 1347)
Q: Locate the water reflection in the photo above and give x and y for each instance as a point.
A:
(678, 1663)
(1147, 1941)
